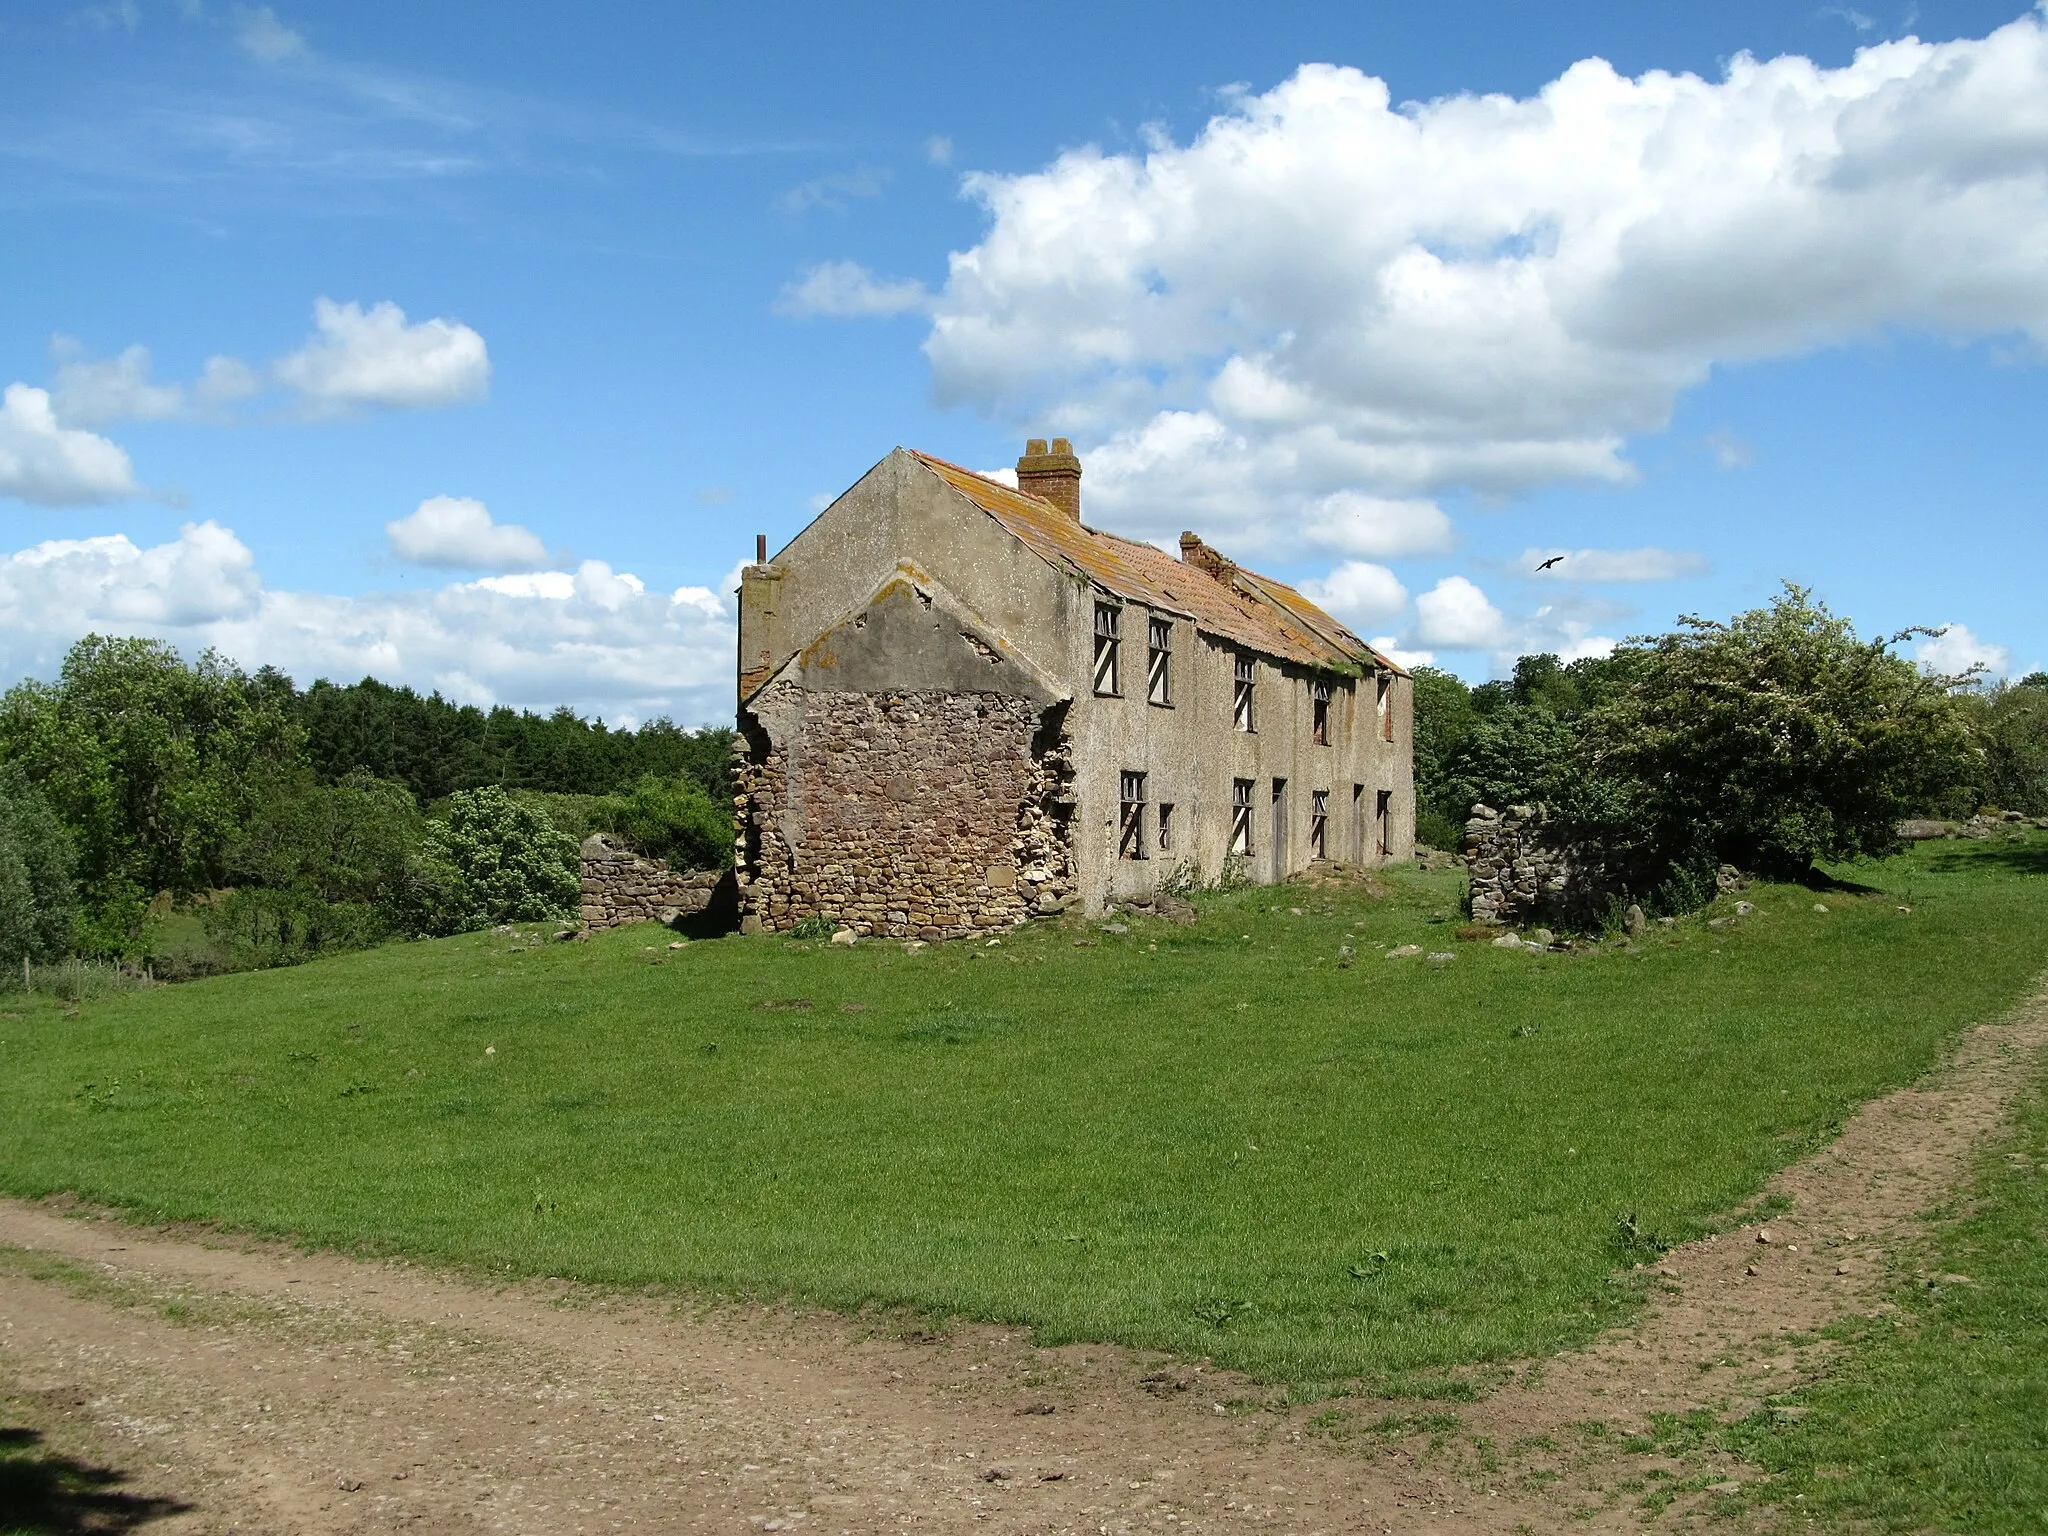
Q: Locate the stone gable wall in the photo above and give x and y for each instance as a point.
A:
(924, 814)
(620, 887)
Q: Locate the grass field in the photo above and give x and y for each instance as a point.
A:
(1214, 1140)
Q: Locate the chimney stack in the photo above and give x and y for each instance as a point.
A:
(1194, 553)
(1053, 476)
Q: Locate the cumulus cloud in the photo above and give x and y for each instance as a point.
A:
(52, 465)
(1957, 650)
(62, 585)
(1391, 648)
(848, 289)
(88, 391)
(458, 533)
(374, 358)
(1455, 615)
(1614, 564)
(594, 638)
(1327, 291)
(1360, 593)
(259, 34)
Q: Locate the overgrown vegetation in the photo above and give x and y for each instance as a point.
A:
(1770, 742)
(1221, 1140)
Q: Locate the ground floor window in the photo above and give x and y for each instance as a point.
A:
(1241, 816)
(1358, 823)
(1318, 822)
(1131, 836)
(1166, 826)
(1383, 816)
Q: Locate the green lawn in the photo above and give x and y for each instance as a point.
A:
(1226, 1144)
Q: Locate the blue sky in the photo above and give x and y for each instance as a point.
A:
(480, 341)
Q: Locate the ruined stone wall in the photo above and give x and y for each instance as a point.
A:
(620, 887)
(925, 814)
(1526, 868)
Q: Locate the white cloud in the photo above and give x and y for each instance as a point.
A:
(1392, 649)
(52, 465)
(848, 289)
(1456, 615)
(100, 391)
(457, 532)
(1326, 291)
(1614, 564)
(595, 638)
(833, 191)
(1359, 593)
(265, 39)
(1957, 650)
(938, 150)
(70, 585)
(372, 357)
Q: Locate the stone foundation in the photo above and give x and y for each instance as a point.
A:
(620, 887)
(929, 814)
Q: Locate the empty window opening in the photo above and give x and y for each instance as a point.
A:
(1319, 712)
(1159, 663)
(1384, 704)
(1383, 818)
(1241, 816)
(1279, 840)
(1358, 823)
(1241, 694)
(1106, 616)
(1166, 826)
(1131, 837)
(1318, 822)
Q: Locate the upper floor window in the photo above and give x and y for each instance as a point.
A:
(1384, 704)
(1159, 661)
(1106, 675)
(1241, 694)
(1131, 837)
(1319, 712)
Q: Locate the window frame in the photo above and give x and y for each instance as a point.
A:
(1384, 704)
(1318, 823)
(1108, 650)
(1319, 711)
(1240, 844)
(1244, 682)
(1131, 803)
(1164, 839)
(1159, 661)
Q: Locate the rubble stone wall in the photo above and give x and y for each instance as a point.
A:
(923, 814)
(1526, 868)
(620, 887)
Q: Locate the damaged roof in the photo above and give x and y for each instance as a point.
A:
(1253, 611)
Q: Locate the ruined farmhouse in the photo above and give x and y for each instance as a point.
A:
(961, 706)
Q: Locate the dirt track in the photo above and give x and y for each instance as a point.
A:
(239, 1386)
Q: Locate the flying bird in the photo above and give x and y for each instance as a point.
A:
(1546, 565)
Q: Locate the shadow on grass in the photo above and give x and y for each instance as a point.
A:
(718, 919)
(44, 1494)
(2028, 858)
(1818, 879)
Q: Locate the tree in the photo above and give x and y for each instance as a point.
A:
(36, 894)
(492, 860)
(153, 764)
(1777, 738)
(2010, 721)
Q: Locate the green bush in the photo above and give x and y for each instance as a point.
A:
(490, 860)
(36, 895)
(671, 819)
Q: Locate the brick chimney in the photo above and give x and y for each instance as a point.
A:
(1053, 476)
(1193, 552)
